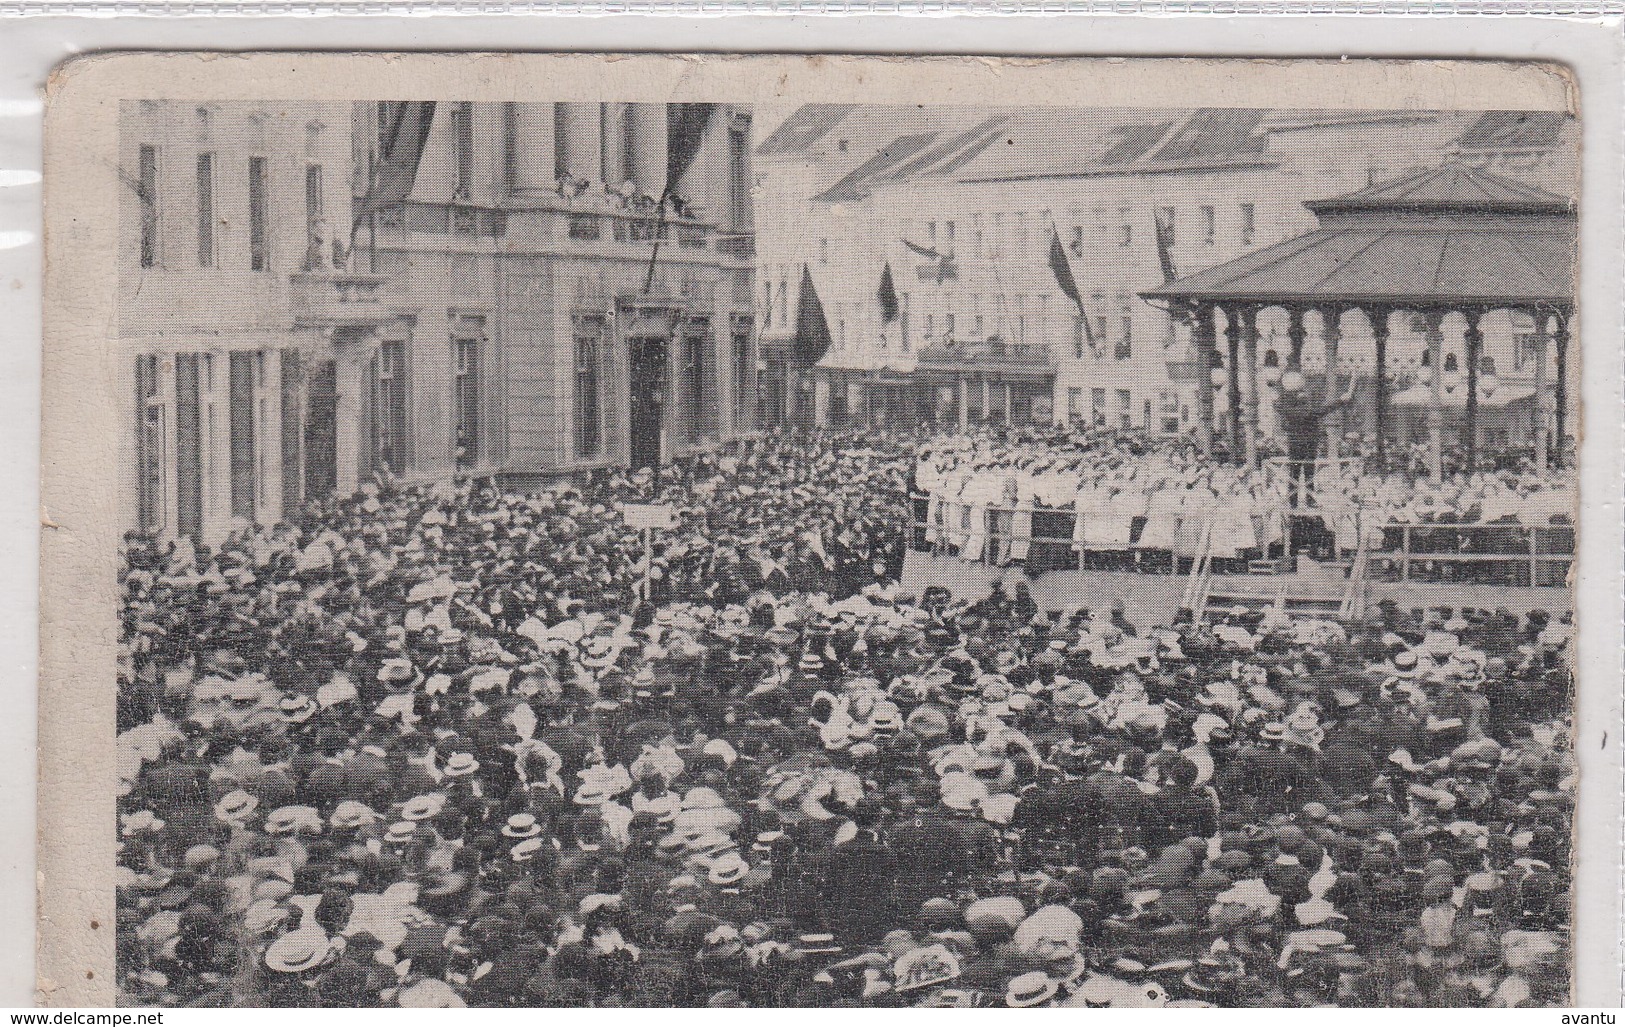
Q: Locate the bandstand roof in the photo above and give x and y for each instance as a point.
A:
(1443, 238)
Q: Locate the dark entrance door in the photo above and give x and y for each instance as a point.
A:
(188, 446)
(321, 431)
(647, 360)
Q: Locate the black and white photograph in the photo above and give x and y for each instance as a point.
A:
(795, 553)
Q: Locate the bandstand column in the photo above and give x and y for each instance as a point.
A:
(964, 403)
(1435, 340)
(1202, 331)
(1541, 337)
(1473, 347)
(1379, 403)
(1561, 387)
(1232, 338)
(1250, 346)
(1296, 334)
(1331, 335)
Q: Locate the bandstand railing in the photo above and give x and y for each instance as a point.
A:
(1500, 553)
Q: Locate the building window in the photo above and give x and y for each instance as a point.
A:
(149, 420)
(1247, 224)
(1166, 217)
(823, 251)
(314, 233)
(1021, 232)
(743, 363)
(1125, 228)
(389, 407)
(561, 145)
(738, 179)
(948, 235)
(205, 210)
(629, 146)
(1097, 405)
(1080, 336)
(240, 411)
(188, 444)
(784, 304)
(462, 123)
(976, 236)
(588, 415)
(1125, 342)
(1074, 404)
(259, 227)
(928, 326)
(1075, 245)
(902, 321)
(1210, 224)
(293, 427)
(510, 146)
(1125, 408)
(466, 398)
(691, 384)
(147, 194)
(931, 234)
(976, 327)
(947, 326)
(585, 227)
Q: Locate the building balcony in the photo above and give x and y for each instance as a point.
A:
(992, 356)
(740, 246)
(338, 299)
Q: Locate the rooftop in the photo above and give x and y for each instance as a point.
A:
(1449, 235)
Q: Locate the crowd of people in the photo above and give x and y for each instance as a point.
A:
(1061, 497)
(442, 746)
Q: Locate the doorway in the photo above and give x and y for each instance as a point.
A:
(321, 431)
(647, 365)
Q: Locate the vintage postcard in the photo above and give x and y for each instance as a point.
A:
(571, 531)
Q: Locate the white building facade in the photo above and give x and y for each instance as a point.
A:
(987, 190)
(509, 317)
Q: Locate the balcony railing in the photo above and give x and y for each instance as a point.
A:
(337, 299)
(740, 246)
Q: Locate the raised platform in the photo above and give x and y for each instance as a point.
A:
(1150, 600)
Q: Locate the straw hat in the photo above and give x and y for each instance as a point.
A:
(297, 951)
(1030, 989)
(521, 825)
(235, 807)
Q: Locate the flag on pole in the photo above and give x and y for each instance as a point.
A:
(887, 296)
(685, 131)
(403, 133)
(812, 329)
(1062, 269)
(1163, 218)
(925, 251)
